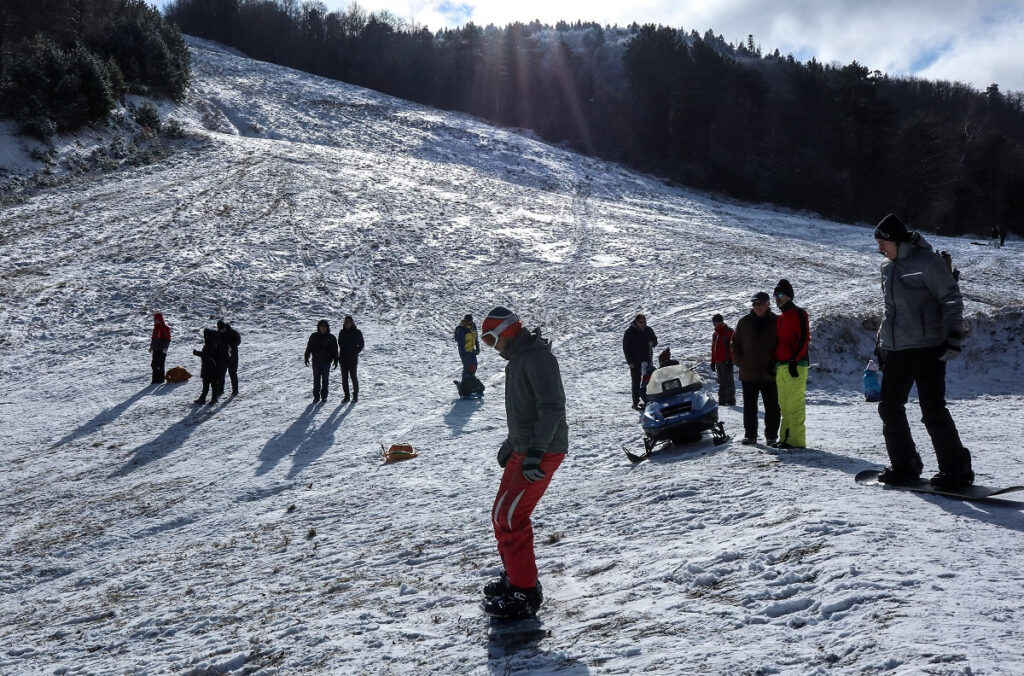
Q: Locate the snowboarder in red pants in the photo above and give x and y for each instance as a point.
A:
(538, 439)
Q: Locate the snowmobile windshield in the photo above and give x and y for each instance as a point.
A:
(671, 379)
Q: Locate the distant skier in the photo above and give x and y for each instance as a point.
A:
(322, 346)
(922, 326)
(214, 356)
(538, 439)
(721, 361)
(638, 345)
(872, 388)
(350, 344)
(793, 335)
(159, 343)
(1002, 235)
(753, 348)
(466, 339)
(232, 340)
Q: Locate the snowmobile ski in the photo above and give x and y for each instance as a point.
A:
(869, 477)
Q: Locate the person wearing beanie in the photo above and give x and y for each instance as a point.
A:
(350, 344)
(753, 350)
(665, 359)
(323, 348)
(467, 341)
(213, 363)
(538, 439)
(159, 343)
(721, 361)
(232, 340)
(922, 326)
(638, 345)
(793, 338)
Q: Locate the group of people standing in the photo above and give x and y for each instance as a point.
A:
(328, 352)
(219, 357)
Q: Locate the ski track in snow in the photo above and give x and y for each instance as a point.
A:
(263, 535)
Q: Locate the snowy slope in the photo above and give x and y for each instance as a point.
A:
(263, 534)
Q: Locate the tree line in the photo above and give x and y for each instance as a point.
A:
(65, 63)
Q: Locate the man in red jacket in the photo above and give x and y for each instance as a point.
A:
(794, 336)
(721, 361)
(158, 345)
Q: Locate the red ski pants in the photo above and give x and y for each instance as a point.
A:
(510, 517)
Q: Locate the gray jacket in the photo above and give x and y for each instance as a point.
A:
(534, 398)
(922, 300)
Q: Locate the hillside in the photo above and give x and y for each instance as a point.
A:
(264, 536)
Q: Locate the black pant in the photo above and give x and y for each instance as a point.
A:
(233, 372)
(634, 381)
(159, 359)
(902, 369)
(321, 379)
(349, 371)
(769, 393)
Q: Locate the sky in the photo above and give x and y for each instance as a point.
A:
(974, 41)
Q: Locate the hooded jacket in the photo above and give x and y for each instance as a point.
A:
(232, 339)
(534, 398)
(466, 338)
(323, 347)
(793, 334)
(214, 355)
(350, 344)
(720, 350)
(753, 347)
(923, 305)
(638, 345)
(161, 339)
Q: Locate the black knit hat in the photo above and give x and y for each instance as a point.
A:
(891, 228)
(785, 288)
(717, 319)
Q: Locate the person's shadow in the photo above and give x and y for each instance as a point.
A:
(102, 418)
(461, 411)
(281, 445)
(318, 441)
(814, 457)
(512, 640)
(169, 440)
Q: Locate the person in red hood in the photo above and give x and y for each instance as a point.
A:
(721, 361)
(793, 333)
(158, 345)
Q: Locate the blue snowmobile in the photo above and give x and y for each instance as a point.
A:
(678, 410)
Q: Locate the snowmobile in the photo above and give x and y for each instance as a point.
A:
(678, 410)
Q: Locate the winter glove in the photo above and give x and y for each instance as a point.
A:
(880, 356)
(793, 370)
(952, 346)
(307, 362)
(531, 465)
(505, 452)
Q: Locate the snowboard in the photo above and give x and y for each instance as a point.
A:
(504, 635)
(869, 477)
(470, 395)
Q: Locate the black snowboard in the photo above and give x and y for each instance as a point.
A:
(869, 477)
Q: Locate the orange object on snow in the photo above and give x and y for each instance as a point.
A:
(398, 452)
(178, 374)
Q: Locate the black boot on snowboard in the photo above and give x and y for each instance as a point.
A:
(515, 603)
(497, 586)
(902, 476)
(953, 481)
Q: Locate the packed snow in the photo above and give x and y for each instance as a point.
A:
(265, 535)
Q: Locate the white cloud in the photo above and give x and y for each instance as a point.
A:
(978, 42)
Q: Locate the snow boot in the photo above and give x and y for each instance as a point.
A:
(516, 603)
(747, 441)
(346, 399)
(497, 586)
(902, 476)
(355, 397)
(953, 481)
(200, 401)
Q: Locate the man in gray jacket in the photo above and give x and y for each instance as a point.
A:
(921, 330)
(538, 439)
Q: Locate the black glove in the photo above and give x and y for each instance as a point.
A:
(531, 465)
(505, 452)
(951, 348)
(307, 362)
(880, 356)
(793, 370)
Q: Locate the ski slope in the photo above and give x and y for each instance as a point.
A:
(264, 535)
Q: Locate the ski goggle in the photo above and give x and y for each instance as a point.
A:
(491, 336)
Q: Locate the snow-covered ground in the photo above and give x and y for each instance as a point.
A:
(264, 534)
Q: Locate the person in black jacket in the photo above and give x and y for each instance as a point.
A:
(350, 344)
(214, 356)
(638, 345)
(231, 340)
(323, 348)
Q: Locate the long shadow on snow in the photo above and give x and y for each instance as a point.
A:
(281, 445)
(814, 457)
(169, 440)
(318, 441)
(1005, 513)
(459, 414)
(686, 451)
(102, 418)
(515, 646)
